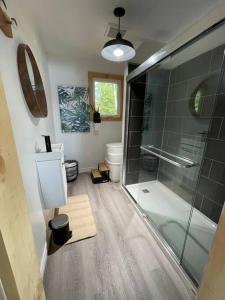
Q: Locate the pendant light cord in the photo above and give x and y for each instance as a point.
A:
(119, 24)
(119, 34)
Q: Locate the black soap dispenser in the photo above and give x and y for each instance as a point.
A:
(48, 143)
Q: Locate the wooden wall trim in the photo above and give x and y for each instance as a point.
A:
(16, 230)
(6, 274)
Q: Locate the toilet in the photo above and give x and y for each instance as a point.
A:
(114, 159)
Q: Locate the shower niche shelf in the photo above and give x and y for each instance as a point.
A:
(173, 159)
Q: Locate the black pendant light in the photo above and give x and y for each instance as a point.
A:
(118, 49)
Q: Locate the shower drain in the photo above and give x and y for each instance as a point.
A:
(145, 191)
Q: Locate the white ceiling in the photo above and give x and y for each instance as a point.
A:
(77, 27)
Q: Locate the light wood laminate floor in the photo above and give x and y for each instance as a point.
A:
(122, 262)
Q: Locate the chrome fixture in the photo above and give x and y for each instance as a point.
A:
(175, 160)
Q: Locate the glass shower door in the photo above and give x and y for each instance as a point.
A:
(208, 199)
(163, 197)
(173, 170)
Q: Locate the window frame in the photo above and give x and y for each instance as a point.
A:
(92, 76)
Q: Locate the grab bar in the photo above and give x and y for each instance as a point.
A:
(182, 163)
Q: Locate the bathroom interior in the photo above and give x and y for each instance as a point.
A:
(112, 157)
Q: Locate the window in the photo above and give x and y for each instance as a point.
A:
(106, 94)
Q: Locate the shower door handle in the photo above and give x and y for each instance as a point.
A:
(183, 162)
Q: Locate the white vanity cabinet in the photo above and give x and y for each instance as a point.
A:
(52, 176)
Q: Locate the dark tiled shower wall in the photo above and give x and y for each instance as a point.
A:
(185, 133)
(137, 95)
(211, 188)
(155, 106)
(153, 121)
(146, 119)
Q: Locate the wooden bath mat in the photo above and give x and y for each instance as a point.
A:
(81, 219)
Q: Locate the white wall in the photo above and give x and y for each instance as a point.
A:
(87, 148)
(195, 29)
(27, 130)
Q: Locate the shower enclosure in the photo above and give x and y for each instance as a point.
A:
(174, 157)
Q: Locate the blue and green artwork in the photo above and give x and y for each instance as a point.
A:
(74, 109)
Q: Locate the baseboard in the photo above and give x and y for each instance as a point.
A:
(43, 260)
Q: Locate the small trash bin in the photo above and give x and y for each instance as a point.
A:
(72, 170)
(60, 229)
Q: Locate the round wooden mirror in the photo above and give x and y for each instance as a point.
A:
(31, 82)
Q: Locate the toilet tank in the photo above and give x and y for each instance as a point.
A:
(114, 152)
(115, 148)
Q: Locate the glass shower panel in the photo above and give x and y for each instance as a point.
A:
(167, 199)
(210, 189)
(175, 162)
